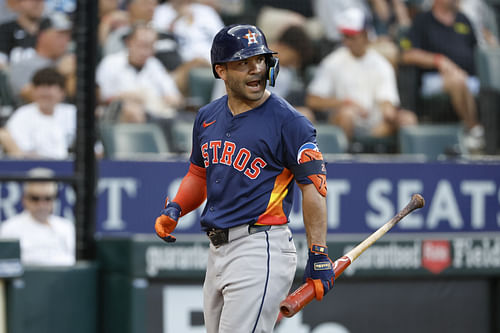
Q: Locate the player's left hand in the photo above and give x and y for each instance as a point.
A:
(319, 269)
(167, 221)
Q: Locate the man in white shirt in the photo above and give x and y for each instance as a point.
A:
(357, 86)
(45, 128)
(194, 25)
(45, 239)
(138, 79)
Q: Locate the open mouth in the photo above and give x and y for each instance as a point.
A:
(254, 85)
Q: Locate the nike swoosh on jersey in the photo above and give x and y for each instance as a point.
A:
(205, 124)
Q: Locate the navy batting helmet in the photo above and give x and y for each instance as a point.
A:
(241, 41)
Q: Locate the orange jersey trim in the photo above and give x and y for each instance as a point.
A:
(274, 213)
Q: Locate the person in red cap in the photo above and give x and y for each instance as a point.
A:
(356, 85)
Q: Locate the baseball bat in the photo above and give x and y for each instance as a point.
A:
(306, 293)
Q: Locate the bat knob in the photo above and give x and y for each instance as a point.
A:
(418, 200)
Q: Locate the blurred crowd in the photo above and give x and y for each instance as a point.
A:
(342, 64)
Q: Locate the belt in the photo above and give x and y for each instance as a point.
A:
(220, 237)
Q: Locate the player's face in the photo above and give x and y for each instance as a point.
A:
(246, 79)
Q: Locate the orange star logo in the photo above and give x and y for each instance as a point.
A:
(252, 37)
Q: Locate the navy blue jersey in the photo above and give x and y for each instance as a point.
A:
(248, 160)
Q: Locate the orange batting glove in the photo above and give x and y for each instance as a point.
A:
(167, 221)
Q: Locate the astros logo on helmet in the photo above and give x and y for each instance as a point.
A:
(252, 37)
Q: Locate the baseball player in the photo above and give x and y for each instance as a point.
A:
(249, 148)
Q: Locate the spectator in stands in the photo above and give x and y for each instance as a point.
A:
(111, 17)
(390, 16)
(483, 18)
(295, 53)
(45, 239)
(357, 86)
(274, 21)
(45, 128)
(51, 50)
(329, 12)
(138, 80)
(18, 36)
(441, 43)
(194, 26)
(482, 15)
(117, 25)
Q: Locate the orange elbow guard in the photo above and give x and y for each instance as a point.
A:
(312, 166)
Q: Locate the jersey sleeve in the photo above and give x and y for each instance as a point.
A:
(299, 136)
(196, 153)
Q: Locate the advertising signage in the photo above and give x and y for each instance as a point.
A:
(460, 197)
(456, 256)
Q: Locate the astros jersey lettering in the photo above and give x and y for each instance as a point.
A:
(248, 160)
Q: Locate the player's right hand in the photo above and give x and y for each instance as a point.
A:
(167, 221)
(319, 269)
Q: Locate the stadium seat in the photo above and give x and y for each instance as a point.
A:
(200, 83)
(133, 140)
(182, 135)
(432, 140)
(331, 139)
(367, 144)
(488, 66)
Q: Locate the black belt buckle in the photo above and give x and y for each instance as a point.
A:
(218, 237)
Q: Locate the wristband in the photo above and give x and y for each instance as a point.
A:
(437, 60)
(319, 249)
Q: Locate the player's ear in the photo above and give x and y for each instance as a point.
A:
(221, 70)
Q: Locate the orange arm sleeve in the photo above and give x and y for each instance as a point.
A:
(193, 189)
